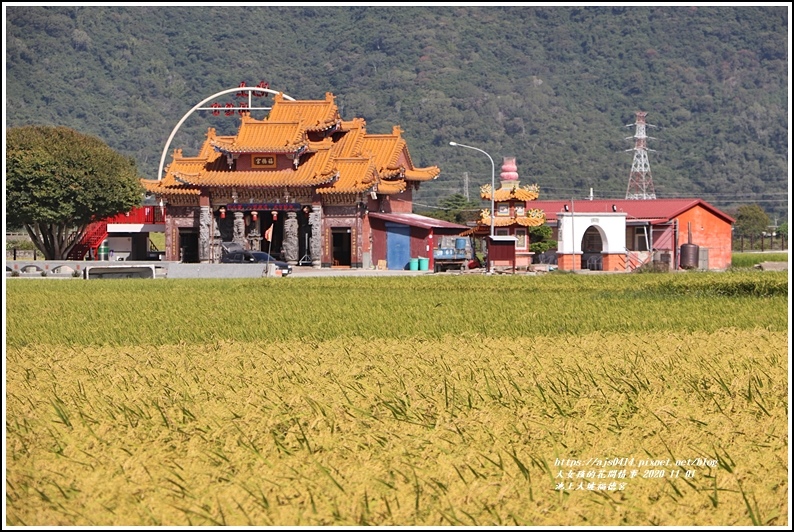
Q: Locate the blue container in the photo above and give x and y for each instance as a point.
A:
(460, 243)
(413, 265)
(423, 264)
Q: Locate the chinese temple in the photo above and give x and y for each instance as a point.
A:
(513, 216)
(299, 184)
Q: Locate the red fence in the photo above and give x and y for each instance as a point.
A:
(97, 231)
(148, 214)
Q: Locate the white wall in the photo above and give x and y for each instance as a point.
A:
(121, 247)
(572, 226)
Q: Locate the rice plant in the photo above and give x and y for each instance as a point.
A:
(543, 401)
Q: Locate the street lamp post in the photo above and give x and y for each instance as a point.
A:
(493, 176)
(493, 191)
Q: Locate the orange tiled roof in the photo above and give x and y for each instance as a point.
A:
(168, 186)
(355, 175)
(316, 115)
(387, 149)
(391, 187)
(348, 161)
(318, 168)
(422, 174)
(351, 142)
(264, 136)
(525, 193)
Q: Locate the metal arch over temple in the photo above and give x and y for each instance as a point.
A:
(198, 107)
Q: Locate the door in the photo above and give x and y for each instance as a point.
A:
(188, 245)
(341, 244)
(592, 245)
(398, 246)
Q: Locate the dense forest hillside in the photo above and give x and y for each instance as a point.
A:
(554, 87)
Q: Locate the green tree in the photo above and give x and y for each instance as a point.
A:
(751, 221)
(540, 239)
(59, 180)
(782, 229)
(456, 208)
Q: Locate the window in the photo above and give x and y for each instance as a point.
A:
(640, 239)
(521, 238)
(503, 209)
(502, 232)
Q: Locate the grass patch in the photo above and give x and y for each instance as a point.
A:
(748, 260)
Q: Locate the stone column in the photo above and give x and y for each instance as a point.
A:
(205, 232)
(290, 242)
(239, 229)
(316, 240)
(254, 239)
(217, 250)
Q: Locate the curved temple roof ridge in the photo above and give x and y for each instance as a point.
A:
(300, 143)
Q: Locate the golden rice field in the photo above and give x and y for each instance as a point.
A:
(657, 399)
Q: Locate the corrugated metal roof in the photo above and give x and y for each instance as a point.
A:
(415, 220)
(658, 210)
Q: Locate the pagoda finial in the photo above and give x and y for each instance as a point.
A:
(509, 175)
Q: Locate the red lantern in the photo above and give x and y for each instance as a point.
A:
(229, 112)
(222, 210)
(275, 215)
(253, 215)
(215, 106)
(241, 111)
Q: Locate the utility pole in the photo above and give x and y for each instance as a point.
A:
(466, 185)
(640, 181)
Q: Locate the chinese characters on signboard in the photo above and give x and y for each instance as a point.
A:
(263, 161)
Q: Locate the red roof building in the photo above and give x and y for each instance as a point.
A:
(655, 230)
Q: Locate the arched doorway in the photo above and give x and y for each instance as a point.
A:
(592, 246)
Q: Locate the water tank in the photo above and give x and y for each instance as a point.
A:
(102, 251)
(460, 243)
(689, 256)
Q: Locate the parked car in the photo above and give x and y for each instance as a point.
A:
(256, 257)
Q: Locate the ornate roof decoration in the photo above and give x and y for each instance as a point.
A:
(532, 218)
(518, 196)
(391, 187)
(333, 155)
(509, 169)
(524, 193)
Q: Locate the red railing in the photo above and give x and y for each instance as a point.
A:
(97, 232)
(148, 214)
(94, 235)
